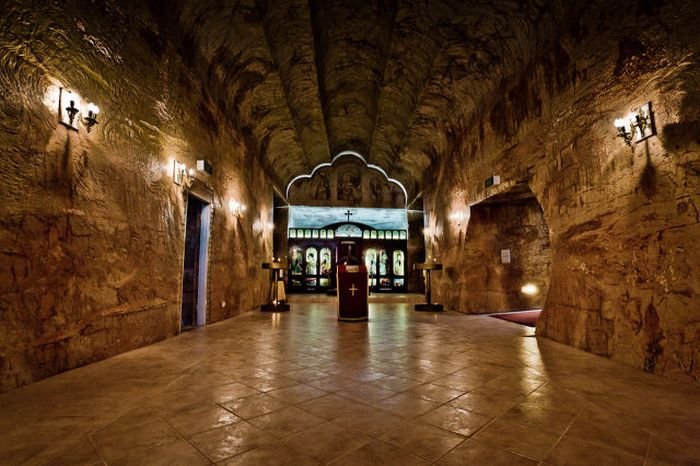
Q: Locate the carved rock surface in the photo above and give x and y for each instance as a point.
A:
(441, 95)
(91, 224)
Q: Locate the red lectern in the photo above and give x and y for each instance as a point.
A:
(353, 292)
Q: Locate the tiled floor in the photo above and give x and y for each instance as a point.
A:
(406, 388)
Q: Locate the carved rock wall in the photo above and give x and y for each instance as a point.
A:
(92, 225)
(477, 281)
(624, 222)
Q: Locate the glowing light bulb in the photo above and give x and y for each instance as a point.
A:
(530, 289)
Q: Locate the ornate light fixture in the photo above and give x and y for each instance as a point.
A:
(182, 176)
(91, 119)
(236, 208)
(637, 125)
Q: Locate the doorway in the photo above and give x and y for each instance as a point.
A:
(194, 274)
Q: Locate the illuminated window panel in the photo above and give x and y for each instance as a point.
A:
(331, 234)
(373, 234)
(365, 234)
(380, 234)
(292, 233)
(402, 234)
(314, 233)
(387, 234)
(323, 234)
(307, 233)
(395, 234)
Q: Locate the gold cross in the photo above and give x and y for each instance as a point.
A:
(353, 289)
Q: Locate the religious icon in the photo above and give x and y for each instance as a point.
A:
(398, 282)
(295, 264)
(398, 263)
(325, 282)
(383, 258)
(311, 256)
(325, 261)
(311, 282)
(371, 262)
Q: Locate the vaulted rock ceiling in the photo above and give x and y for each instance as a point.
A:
(394, 80)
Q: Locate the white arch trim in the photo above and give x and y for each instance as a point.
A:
(344, 154)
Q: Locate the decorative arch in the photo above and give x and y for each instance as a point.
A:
(348, 153)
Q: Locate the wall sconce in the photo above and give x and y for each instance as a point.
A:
(637, 125)
(458, 217)
(182, 176)
(70, 115)
(236, 208)
(529, 289)
(91, 119)
(71, 111)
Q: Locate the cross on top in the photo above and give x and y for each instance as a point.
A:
(348, 214)
(353, 289)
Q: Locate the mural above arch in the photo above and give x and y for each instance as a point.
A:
(347, 181)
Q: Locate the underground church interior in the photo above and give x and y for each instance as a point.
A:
(349, 232)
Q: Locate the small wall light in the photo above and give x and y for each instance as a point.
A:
(637, 125)
(181, 175)
(530, 289)
(458, 216)
(236, 208)
(91, 119)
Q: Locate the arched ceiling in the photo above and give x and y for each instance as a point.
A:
(390, 79)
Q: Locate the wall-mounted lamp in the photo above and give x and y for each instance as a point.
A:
(71, 111)
(637, 125)
(236, 208)
(182, 176)
(458, 216)
(529, 289)
(71, 115)
(91, 119)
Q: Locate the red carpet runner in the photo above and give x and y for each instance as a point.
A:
(528, 318)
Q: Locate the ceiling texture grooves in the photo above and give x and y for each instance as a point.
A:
(394, 80)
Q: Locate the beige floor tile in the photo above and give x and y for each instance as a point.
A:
(457, 420)
(331, 407)
(396, 384)
(224, 442)
(111, 441)
(366, 393)
(177, 453)
(370, 422)
(525, 441)
(230, 392)
(306, 375)
(129, 405)
(596, 425)
(488, 404)
(477, 453)
(407, 405)
(436, 393)
(547, 420)
(267, 381)
(270, 455)
(286, 421)
(378, 453)
(325, 442)
(297, 393)
(673, 450)
(334, 383)
(422, 440)
(255, 405)
(198, 418)
(575, 451)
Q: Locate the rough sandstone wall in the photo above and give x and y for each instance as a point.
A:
(624, 222)
(91, 225)
(477, 281)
